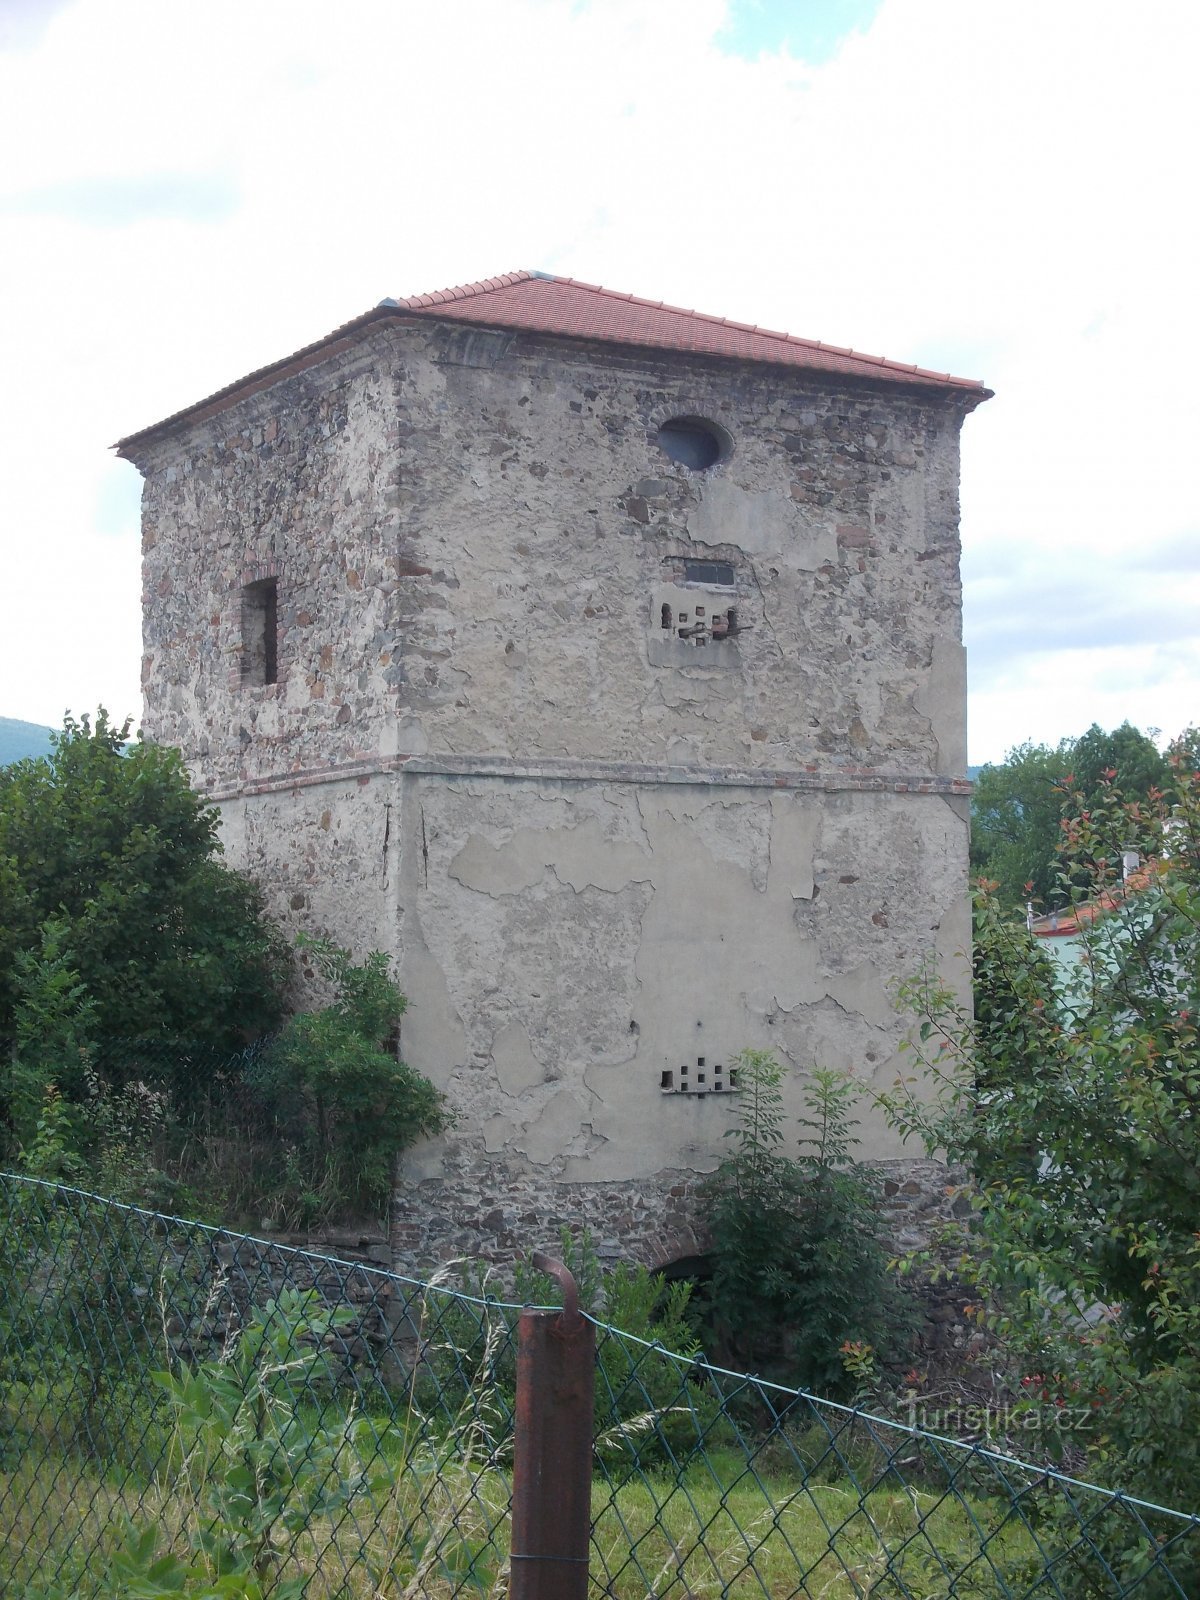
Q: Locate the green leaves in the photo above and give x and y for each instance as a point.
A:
(1018, 805)
(798, 1270)
(1015, 815)
(1074, 1095)
(341, 1104)
(267, 1471)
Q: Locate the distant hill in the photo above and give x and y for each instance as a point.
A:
(21, 739)
(973, 773)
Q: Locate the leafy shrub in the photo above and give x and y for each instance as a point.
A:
(799, 1273)
(339, 1102)
(1083, 1245)
(259, 1469)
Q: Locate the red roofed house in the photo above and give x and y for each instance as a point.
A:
(601, 661)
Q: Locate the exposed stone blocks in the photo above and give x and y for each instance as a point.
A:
(587, 851)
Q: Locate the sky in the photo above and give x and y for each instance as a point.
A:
(1003, 189)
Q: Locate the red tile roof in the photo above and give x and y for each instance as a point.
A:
(1070, 919)
(538, 302)
(543, 304)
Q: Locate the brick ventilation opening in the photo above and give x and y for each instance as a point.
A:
(700, 1079)
(260, 632)
(702, 626)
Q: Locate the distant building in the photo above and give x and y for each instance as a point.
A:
(1061, 931)
(602, 662)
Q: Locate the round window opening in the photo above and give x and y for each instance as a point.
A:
(694, 442)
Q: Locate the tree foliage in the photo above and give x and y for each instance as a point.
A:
(1015, 815)
(1017, 810)
(339, 1102)
(1075, 1096)
(1125, 759)
(105, 849)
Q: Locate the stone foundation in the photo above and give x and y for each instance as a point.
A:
(498, 1217)
(495, 1221)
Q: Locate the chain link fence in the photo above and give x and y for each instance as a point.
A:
(183, 1408)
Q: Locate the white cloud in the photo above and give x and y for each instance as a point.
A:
(1000, 188)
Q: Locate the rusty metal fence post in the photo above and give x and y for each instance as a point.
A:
(552, 1448)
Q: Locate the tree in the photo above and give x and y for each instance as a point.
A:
(799, 1271)
(1017, 810)
(1076, 1101)
(1016, 814)
(107, 853)
(1125, 759)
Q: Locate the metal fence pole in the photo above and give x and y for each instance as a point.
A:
(552, 1448)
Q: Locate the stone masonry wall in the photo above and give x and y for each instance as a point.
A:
(601, 851)
(468, 560)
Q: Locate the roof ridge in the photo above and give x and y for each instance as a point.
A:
(546, 315)
(465, 291)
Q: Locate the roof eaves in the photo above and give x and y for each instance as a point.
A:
(263, 377)
(426, 305)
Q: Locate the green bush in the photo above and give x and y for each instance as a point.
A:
(339, 1103)
(800, 1289)
(1075, 1097)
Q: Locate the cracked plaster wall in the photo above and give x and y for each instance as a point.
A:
(587, 940)
(472, 544)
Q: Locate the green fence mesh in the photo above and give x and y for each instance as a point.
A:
(183, 1408)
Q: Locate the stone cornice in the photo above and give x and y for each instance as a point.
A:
(824, 780)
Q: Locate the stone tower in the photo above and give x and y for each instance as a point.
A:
(602, 662)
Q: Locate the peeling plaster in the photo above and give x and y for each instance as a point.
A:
(558, 1124)
(513, 1061)
(470, 541)
(578, 856)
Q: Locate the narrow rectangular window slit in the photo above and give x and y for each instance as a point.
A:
(260, 632)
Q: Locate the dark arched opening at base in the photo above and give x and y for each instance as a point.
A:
(697, 1269)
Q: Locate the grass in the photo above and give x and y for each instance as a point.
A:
(432, 1519)
(402, 1492)
(438, 1526)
